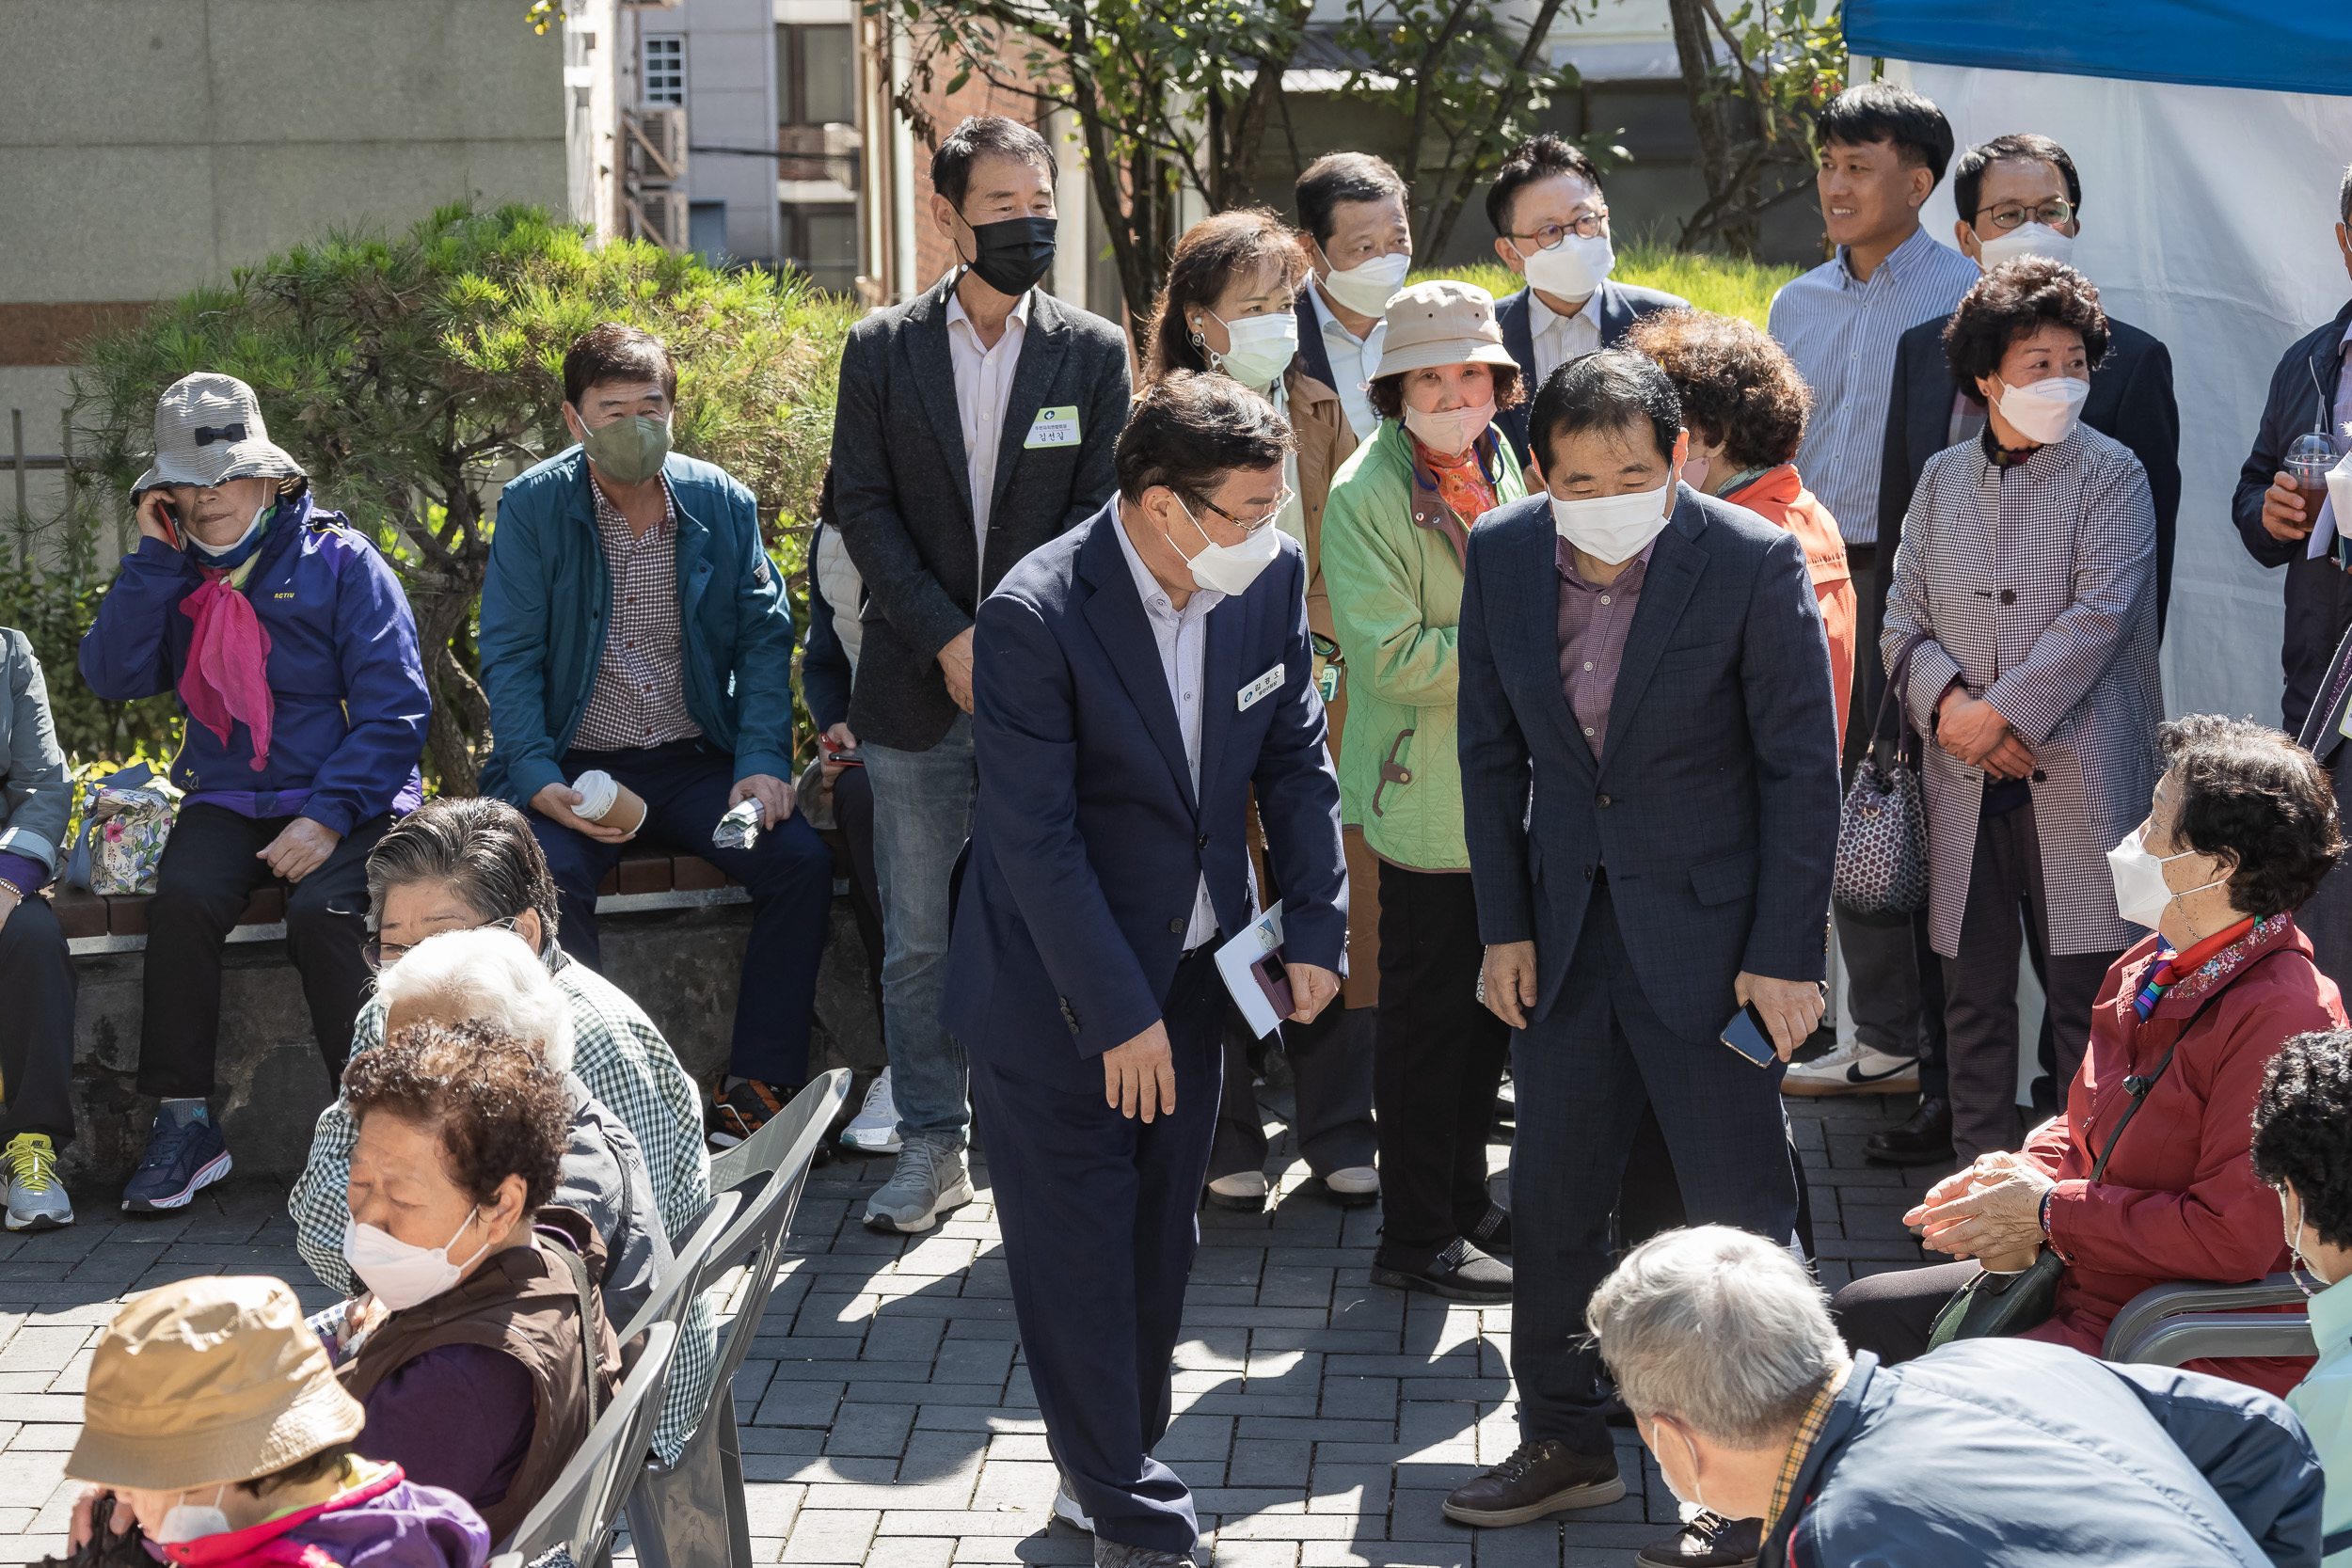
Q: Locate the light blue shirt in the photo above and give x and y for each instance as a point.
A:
(2323, 1402)
(1182, 637)
(1842, 332)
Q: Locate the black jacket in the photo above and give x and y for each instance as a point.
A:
(2318, 593)
(903, 495)
(1615, 306)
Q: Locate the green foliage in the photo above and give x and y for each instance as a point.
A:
(53, 606)
(1728, 285)
(1753, 105)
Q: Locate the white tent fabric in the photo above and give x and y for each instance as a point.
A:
(2208, 219)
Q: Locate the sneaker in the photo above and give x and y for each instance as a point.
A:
(1243, 1192)
(875, 1128)
(181, 1156)
(29, 1175)
(927, 1183)
(1706, 1541)
(1460, 1273)
(743, 1110)
(1492, 1233)
(1066, 1507)
(1353, 1187)
(1542, 1475)
(1853, 1068)
(1113, 1554)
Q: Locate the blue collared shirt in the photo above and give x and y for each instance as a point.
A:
(1841, 332)
(2323, 1402)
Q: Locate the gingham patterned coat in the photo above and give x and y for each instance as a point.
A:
(2036, 587)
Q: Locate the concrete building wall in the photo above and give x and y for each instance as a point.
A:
(731, 103)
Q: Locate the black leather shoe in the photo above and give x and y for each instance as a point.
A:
(1459, 1272)
(1542, 1475)
(1492, 1233)
(1708, 1541)
(1926, 1139)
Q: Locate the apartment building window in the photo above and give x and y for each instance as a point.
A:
(665, 70)
(822, 240)
(816, 75)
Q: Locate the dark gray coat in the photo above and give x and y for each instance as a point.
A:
(36, 793)
(604, 1178)
(903, 493)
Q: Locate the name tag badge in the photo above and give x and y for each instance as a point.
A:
(1270, 681)
(1054, 427)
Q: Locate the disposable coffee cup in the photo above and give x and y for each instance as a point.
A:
(606, 801)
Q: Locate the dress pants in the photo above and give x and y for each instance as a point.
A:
(854, 812)
(1098, 1212)
(685, 785)
(1584, 1073)
(37, 993)
(1437, 1059)
(211, 869)
(1980, 987)
(1891, 1314)
(922, 817)
(1331, 1077)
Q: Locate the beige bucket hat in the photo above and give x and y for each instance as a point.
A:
(1442, 323)
(208, 1380)
(209, 429)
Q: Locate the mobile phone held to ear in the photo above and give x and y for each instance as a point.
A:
(170, 514)
(1747, 1035)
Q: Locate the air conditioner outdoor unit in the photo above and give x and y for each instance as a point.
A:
(657, 145)
(660, 216)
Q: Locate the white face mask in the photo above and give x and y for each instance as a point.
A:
(1230, 568)
(401, 1273)
(1262, 347)
(1452, 430)
(2142, 893)
(193, 1521)
(2045, 411)
(1572, 269)
(1696, 1499)
(222, 552)
(2026, 239)
(1612, 529)
(1366, 287)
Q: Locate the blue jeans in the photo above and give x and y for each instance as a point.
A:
(922, 816)
(685, 786)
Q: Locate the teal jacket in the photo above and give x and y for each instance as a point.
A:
(549, 599)
(2324, 1402)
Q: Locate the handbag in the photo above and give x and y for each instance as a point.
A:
(1880, 873)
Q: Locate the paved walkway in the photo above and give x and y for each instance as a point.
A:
(888, 1420)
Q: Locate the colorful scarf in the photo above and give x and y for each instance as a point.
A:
(1462, 483)
(2208, 959)
(226, 678)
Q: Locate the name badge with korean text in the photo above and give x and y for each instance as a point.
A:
(1054, 427)
(1270, 681)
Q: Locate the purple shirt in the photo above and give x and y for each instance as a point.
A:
(1593, 625)
(24, 872)
(457, 1416)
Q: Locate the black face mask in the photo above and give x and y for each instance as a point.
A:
(1014, 254)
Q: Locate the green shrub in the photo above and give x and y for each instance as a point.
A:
(1726, 284)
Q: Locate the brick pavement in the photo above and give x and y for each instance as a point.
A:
(888, 1420)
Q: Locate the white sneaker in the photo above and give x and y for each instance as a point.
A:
(875, 1128)
(28, 1179)
(1853, 1068)
(1353, 1186)
(1244, 1190)
(1066, 1507)
(928, 1183)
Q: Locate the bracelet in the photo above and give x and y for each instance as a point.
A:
(21, 894)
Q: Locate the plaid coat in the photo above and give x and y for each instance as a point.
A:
(2035, 587)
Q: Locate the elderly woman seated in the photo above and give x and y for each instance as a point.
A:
(467, 1349)
(2241, 829)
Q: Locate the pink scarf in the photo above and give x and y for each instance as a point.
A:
(228, 674)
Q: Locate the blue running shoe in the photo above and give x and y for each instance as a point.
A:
(181, 1156)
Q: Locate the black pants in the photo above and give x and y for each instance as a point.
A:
(1331, 1073)
(854, 812)
(1437, 1058)
(211, 868)
(1892, 1313)
(36, 989)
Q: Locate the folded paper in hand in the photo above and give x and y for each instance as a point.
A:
(1253, 968)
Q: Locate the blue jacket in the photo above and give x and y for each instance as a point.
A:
(1714, 803)
(1087, 842)
(351, 699)
(548, 596)
(2011, 1453)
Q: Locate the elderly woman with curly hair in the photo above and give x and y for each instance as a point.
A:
(2239, 830)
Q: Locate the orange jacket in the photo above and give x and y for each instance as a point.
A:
(1780, 497)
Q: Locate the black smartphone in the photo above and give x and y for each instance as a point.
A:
(171, 515)
(1747, 1034)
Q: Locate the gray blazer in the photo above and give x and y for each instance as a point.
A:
(903, 493)
(604, 1178)
(36, 792)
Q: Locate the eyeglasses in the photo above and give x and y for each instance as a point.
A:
(380, 955)
(1249, 525)
(1549, 236)
(2056, 213)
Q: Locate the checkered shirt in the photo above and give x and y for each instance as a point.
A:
(639, 695)
(627, 1064)
(1800, 1446)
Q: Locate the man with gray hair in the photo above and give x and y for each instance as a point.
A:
(1986, 1453)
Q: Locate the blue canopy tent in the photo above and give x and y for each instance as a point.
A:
(2261, 45)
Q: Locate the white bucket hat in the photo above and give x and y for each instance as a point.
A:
(209, 430)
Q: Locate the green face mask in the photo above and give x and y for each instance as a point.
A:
(630, 451)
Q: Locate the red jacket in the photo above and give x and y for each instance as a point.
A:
(1780, 497)
(2179, 1199)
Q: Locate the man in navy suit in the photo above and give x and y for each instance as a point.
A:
(1552, 228)
(1135, 680)
(1651, 662)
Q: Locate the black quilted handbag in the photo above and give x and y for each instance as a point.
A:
(1882, 871)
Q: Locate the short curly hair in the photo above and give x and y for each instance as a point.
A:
(1739, 389)
(2248, 791)
(499, 1112)
(2014, 301)
(1388, 392)
(2303, 1128)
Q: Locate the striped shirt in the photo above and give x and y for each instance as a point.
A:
(639, 695)
(1841, 332)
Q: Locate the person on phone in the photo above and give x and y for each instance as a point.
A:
(294, 656)
(632, 625)
(1138, 681)
(36, 968)
(1651, 660)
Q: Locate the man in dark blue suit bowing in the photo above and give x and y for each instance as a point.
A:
(1134, 681)
(1651, 661)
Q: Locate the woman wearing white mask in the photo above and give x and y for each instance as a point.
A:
(1394, 540)
(2239, 833)
(466, 1350)
(2025, 594)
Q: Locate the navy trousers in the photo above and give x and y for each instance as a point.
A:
(1585, 1074)
(1099, 1217)
(685, 785)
